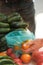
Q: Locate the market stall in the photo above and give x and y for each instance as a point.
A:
(18, 45)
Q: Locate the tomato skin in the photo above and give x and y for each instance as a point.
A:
(38, 56)
(26, 58)
(40, 63)
(12, 56)
(9, 51)
(18, 61)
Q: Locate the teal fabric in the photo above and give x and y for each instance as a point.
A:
(18, 36)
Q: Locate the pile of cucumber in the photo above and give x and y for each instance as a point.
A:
(7, 24)
(6, 60)
(10, 22)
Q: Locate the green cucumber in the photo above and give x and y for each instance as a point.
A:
(4, 30)
(1, 35)
(5, 57)
(3, 38)
(2, 17)
(12, 15)
(6, 61)
(18, 25)
(4, 25)
(3, 46)
(16, 18)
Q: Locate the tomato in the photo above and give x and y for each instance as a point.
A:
(25, 45)
(12, 55)
(26, 58)
(9, 51)
(16, 47)
(18, 61)
(40, 63)
(38, 56)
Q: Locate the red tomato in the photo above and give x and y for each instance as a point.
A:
(40, 63)
(18, 61)
(9, 51)
(12, 56)
(37, 56)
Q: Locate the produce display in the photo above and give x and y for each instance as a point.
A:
(34, 45)
(37, 56)
(17, 44)
(6, 26)
(6, 60)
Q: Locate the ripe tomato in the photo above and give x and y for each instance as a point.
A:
(18, 61)
(40, 63)
(9, 51)
(12, 55)
(25, 45)
(37, 56)
(26, 58)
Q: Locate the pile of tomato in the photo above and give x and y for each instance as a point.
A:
(26, 57)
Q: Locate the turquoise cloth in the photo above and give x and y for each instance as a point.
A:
(18, 36)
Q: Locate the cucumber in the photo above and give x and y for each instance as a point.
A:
(4, 30)
(6, 62)
(3, 46)
(5, 57)
(13, 14)
(2, 49)
(3, 38)
(18, 25)
(2, 17)
(4, 25)
(16, 18)
(1, 35)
